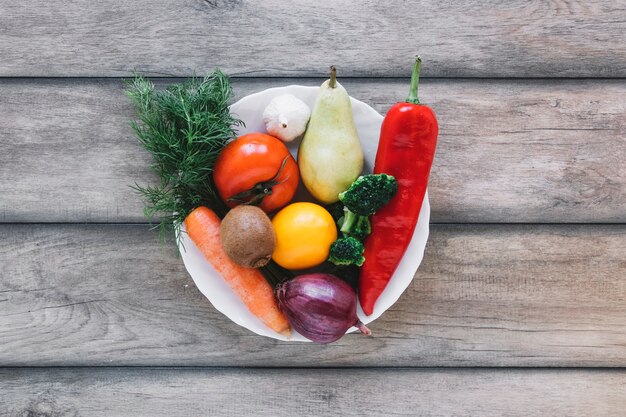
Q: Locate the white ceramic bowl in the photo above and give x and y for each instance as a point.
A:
(368, 121)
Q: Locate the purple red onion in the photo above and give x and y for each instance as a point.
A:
(321, 307)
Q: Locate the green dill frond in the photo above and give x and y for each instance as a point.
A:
(184, 127)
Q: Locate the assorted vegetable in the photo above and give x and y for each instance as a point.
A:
(406, 150)
(330, 155)
(321, 307)
(203, 227)
(185, 127)
(256, 169)
(248, 236)
(304, 233)
(286, 117)
(225, 190)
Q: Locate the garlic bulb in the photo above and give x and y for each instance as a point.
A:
(286, 117)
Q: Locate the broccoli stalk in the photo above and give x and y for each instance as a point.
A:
(352, 224)
(364, 197)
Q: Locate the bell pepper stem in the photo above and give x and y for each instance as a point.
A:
(415, 78)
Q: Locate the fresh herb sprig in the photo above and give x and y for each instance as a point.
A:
(184, 127)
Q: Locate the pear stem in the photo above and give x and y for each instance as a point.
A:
(333, 77)
(415, 78)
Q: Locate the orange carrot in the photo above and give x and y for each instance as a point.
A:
(203, 227)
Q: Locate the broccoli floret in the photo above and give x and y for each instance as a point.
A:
(347, 251)
(369, 193)
(364, 197)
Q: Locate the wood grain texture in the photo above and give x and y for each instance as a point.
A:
(331, 392)
(484, 296)
(509, 150)
(278, 38)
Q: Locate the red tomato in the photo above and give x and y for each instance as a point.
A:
(256, 167)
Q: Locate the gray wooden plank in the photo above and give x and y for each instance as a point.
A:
(490, 295)
(276, 38)
(509, 150)
(151, 392)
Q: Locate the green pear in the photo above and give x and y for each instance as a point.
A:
(330, 157)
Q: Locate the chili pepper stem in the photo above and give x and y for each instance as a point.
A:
(333, 77)
(415, 77)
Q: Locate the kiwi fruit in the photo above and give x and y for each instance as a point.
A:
(248, 236)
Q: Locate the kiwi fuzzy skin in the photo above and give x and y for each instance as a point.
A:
(248, 236)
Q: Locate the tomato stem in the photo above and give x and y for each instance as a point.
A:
(415, 77)
(256, 194)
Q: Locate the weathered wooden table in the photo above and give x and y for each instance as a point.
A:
(519, 307)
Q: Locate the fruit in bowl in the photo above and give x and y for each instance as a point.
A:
(304, 233)
(330, 155)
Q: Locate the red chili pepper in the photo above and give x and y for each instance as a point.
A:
(406, 149)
